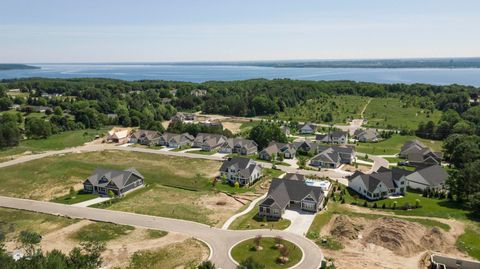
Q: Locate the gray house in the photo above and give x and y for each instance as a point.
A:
(285, 193)
(145, 137)
(118, 181)
(240, 146)
(333, 157)
(417, 153)
(307, 128)
(336, 137)
(431, 177)
(367, 135)
(208, 142)
(245, 171)
(288, 151)
(172, 140)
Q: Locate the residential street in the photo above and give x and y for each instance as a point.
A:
(220, 241)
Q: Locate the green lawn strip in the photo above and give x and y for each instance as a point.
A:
(394, 144)
(181, 148)
(77, 197)
(268, 255)
(251, 221)
(202, 152)
(394, 159)
(407, 115)
(185, 254)
(154, 234)
(469, 241)
(12, 222)
(101, 231)
(256, 158)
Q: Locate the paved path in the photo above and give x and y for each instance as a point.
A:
(219, 241)
(250, 207)
(93, 201)
(300, 221)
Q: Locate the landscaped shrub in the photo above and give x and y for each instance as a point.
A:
(374, 205)
(383, 206)
(365, 204)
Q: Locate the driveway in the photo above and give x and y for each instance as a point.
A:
(219, 241)
(300, 219)
(93, 201)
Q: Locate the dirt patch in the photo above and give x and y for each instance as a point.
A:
(234, 127)
(344, 228)
(223, 205)
(351, 168)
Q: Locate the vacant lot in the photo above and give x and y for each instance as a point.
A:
(394, 144)
(394, 113)
(341, 107)
(54, 142)
(101, 231)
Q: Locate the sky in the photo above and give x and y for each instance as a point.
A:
(56, 31)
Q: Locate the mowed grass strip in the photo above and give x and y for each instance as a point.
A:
(101, 231)
(12, 222)
(186, 254)
(268, 255)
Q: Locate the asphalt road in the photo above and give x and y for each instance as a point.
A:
(220, 241)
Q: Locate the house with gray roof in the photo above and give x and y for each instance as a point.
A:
(417, 153)
(430, 177)
(333, 156)
(274, 148)
(294, 176)
(208, 142)
(145, 137)
(240, 146)
(173, 140)
(367, 135)
(305, 146)
(118, 181)
(286, 193)
(335, 137)
(245, 171)
(307, 128)
(380, 184)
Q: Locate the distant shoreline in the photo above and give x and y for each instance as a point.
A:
(5, 67)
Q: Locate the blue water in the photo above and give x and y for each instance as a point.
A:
(201, 73)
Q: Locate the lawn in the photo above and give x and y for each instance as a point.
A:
(101, 231)
(314, 110)
(12, 222)
(202, 152)
(394, 113)
(393, 145)
(469, 242)
(76, 197)
(186, 254)
(250, 221)
(52, 177)
(268, 255)
(54, 142)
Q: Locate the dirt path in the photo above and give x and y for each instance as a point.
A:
(365, 108)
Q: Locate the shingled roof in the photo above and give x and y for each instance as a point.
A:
(384, 175)
(282, 191)
(118, 177)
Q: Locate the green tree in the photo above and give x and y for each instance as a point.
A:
(265, 132)
(206, 265)
(37, 128)
(250, 263)
(29, 242)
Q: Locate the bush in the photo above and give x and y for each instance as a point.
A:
(374, 205)
(365, 204)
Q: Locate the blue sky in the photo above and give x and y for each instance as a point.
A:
(34, 31)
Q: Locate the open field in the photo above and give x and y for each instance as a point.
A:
(341, 107)
(101, 231)
(393, 113)
(268, 255)
(12, 222)
(394, 144)
(54, 142)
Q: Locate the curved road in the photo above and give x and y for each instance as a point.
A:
(220, 241)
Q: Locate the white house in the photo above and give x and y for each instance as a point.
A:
(380, 184)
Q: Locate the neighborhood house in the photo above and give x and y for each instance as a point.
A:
(381, 184)
(240, 146)
(333, 156)
(145, 137)
(118, 137)
(337, 137)
(245, 171)
(417, 153)
(274, 148)
(118, 181)
(208, 142)
(430, 177)
(367, 135)
(307, 128)
(172, 140)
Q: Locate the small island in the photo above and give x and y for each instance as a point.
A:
(4, 67)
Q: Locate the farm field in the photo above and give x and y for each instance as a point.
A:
(393, 145)
(393, 113)
(341, 107)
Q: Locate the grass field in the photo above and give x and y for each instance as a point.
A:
(77, 197)
(54, 142)
(469, 241)
(12, 222)
(341, 107)
(186, 254)
(101, 231)
(394, 144)
(251, 221)
(268, 255)
(393, 113)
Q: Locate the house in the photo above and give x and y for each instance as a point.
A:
(41, 109)
(431, 177)
(367, 135)
(381, 184)
(145, 137)
(198, 92)
(417, 153)
(181, 116)
(336, 137)
(307, 128)
(333, 156)
(118, 136)
(304, 146)
(245, 171)
(240, 146)
(173, 140)
(286, 193)
(118, 181)
(274, 148)
(293, 176)
(208, 142)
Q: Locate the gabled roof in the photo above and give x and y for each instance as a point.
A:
(282, 191)
(367, 134)
(146, 133)
(331, 153)
(245, 166)
(434, 175)
(117, 177)
(293, 176)
(383, 175)
(307, 125)
(240, 142)
(274, 147)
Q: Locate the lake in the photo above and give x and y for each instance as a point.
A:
(201, 73)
